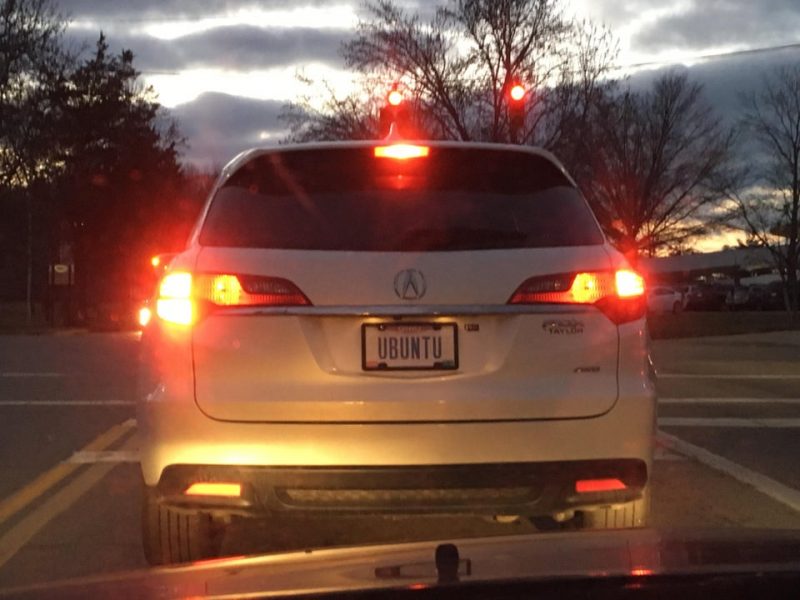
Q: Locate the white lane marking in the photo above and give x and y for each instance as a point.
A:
(67, 402)
(10, 374)
(790, 423)
(766, 485)
(90, 457)
(729, 400)
(785, 376)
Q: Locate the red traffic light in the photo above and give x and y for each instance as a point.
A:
(517, 93)
(395, 98)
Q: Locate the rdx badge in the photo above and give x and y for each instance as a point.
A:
(567, 327)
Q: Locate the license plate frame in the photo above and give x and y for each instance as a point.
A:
(450, 364)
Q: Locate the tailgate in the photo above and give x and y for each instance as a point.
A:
(358, 354)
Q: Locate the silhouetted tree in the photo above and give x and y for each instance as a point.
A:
(121, 173)
(31, 64)
(769, 206)
(659, 165)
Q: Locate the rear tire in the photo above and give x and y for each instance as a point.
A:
(170, 536)
(630, 514)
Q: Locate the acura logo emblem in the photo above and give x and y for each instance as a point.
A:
(409, 284)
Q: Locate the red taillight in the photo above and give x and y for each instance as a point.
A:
(182, 295)
(174, 303)
(586, 486)
(248, 290)
(629, 283)
(401, 151)
(145, 314)
(619, 294)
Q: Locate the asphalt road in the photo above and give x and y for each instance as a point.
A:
(69, 493)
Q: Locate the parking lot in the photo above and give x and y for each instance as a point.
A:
(69, 498)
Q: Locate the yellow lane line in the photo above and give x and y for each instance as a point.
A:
(23, 532)
(24, 496)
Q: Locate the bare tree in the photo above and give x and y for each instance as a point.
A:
(768, 208)
(31, 62)
(349, 117)
(458, 69)
(650, 163)
(660, 165)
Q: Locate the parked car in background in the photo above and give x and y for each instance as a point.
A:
(750, 297)
(773, 296)
(664, 300)
(707, 296)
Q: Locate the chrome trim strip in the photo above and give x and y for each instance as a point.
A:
(432, 310)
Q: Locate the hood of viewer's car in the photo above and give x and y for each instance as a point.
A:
(551, 556)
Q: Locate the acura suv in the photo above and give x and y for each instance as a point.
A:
(376, 327)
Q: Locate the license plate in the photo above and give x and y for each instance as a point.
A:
(409, 346)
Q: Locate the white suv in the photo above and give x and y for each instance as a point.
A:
(403, 328)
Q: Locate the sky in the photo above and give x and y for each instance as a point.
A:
(226, 68)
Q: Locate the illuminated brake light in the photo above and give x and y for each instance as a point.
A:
(629, 284)
(155, 261)
(228, 490)
(401, 151)
(585, 486)
(248, 290)
(579, 288)
(174, 302)
(145, 314)
(587, 288)
(184, 298)
(618, 294)
(225, 290)
(176, 285)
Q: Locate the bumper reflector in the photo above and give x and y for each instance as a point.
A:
(584, 486)
(207, 488)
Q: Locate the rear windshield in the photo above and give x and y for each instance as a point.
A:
(347, 199)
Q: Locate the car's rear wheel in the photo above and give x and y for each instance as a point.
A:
(171, 536)
(630, 514)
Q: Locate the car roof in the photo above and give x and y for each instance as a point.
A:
(248, 155)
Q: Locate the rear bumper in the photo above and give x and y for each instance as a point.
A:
(521, 488)
(176, 433)
(176, 437)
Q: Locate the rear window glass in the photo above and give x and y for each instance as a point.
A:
(347, 199)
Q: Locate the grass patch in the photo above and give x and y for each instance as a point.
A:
(700, 324)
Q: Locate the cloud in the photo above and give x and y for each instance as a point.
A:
(219, 126)
(142, 10)
(241, 47)
(425, 9)
(715, 23)
(726, 79)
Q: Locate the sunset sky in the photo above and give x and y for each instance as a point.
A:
(225, 68)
